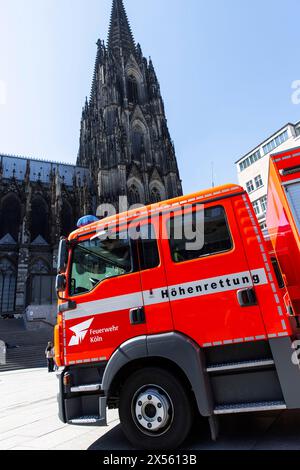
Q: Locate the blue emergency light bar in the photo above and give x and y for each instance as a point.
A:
(86, 220)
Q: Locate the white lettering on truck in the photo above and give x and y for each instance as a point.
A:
(215, 285)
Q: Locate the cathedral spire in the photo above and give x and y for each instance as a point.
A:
(124, 137)
(120, 35)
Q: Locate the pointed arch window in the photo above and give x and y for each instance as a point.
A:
(39, 219)
(120, 90)
(155, 196)
(67, 218)
(134, 195)
(39, 267)
(132, 90)
(10, 216)
(8, 282)
(138, 143)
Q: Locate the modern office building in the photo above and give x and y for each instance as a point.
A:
(253, 168)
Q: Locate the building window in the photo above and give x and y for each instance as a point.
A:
(250, 160)
(250, 186)
(269, 147)
(10, 216)
(263, 203)
(8, 281)
(273, 144)
(39, 267)
(67, 218)
(138, 144)
(132, 89)
(256, 207)
(258, 182)
(39, 219)
(155, 196)
(133, 196)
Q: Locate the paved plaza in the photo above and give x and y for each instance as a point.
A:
(28, 420)
(28, 415)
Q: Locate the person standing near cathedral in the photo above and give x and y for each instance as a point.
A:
(49, 353)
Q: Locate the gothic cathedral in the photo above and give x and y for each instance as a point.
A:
(125, 150)
(125, 141)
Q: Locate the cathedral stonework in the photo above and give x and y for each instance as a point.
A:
(39, 202)
(125, 140)
(125, 150)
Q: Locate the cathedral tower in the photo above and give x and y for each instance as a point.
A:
(124, 139)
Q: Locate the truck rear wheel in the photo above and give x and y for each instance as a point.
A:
(155, 410)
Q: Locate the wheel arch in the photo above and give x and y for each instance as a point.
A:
(172, 351)
(149, 362)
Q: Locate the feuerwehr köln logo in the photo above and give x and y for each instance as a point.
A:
(80, 332)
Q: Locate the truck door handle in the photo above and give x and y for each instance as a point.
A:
(247, 297)
(137, 316)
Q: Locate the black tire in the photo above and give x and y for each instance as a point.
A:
(178, 419)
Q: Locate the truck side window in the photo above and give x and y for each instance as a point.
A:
(217, 238)
(95, 260)
(278, 273)
(148, 249)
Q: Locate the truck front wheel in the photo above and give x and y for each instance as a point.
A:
(155, 410)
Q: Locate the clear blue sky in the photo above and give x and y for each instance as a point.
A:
(225, 68)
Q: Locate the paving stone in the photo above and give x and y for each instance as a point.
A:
(29, 415)
(28, 420)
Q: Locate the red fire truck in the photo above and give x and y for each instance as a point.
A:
(163, 330)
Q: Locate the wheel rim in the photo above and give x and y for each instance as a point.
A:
(152, 410)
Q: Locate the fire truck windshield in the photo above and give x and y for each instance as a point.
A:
(96, 260)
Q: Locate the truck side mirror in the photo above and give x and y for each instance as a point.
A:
(61, 283)
(62, 257)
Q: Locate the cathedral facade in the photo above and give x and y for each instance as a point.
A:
(125, 151)
(125, 140)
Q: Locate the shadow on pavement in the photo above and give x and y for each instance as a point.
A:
(113, 440)
(264, 431)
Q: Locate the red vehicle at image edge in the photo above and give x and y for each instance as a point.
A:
(163, 332)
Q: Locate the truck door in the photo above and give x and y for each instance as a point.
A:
(158, 316)
(210, 286)
(105, 283)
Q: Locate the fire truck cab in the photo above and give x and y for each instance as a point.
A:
(164, 330)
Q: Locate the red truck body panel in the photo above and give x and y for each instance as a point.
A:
(282, 220)
(197, 298)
